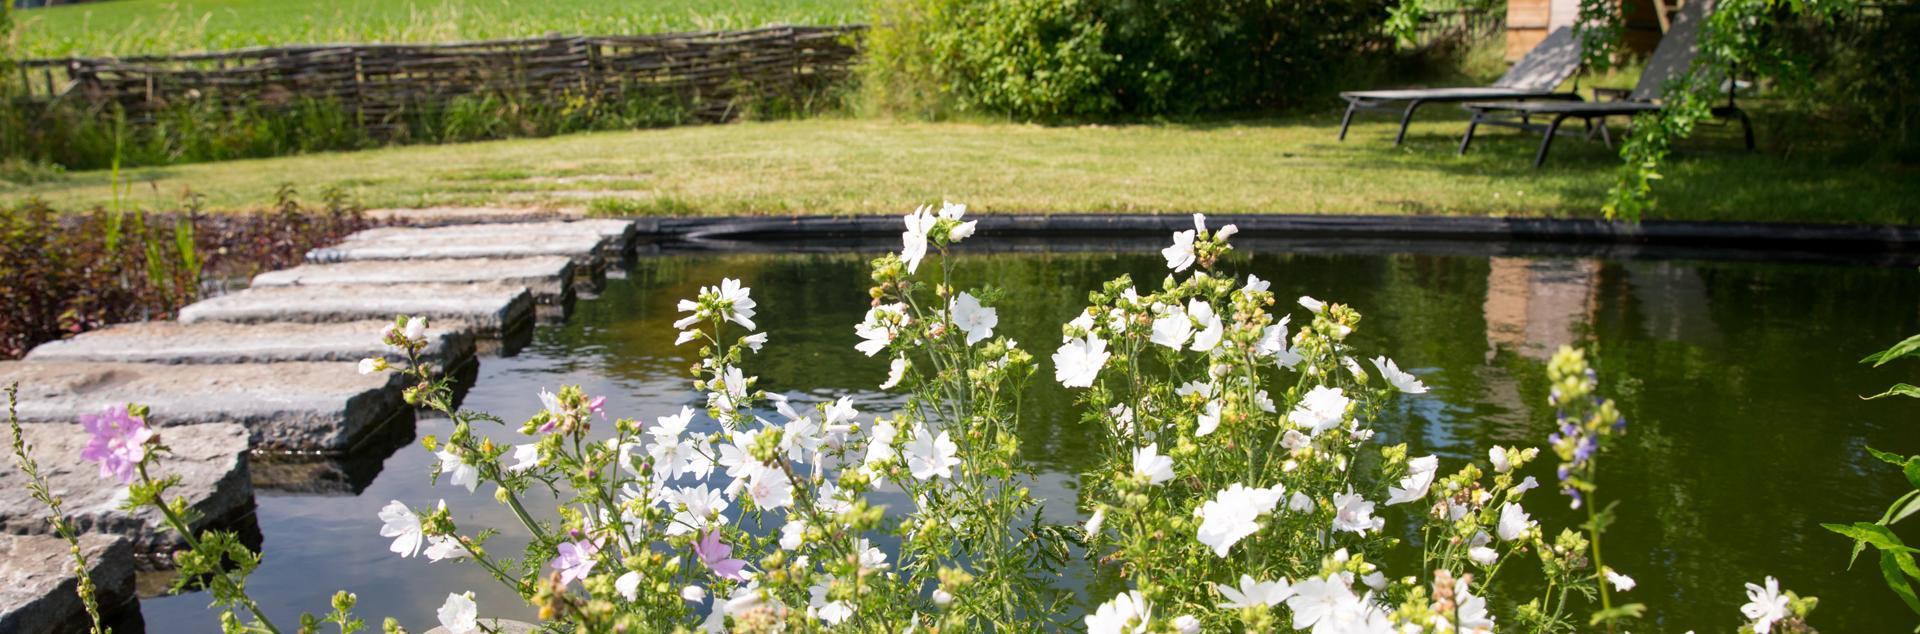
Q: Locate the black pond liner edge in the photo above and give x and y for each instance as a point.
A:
(1880, 245)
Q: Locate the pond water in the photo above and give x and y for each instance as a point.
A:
(1740, 380)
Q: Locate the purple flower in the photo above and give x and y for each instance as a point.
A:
(575, 560)
(713, 553)
(598, 406)
(118, 443)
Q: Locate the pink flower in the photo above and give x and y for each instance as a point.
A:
(575, 560)
(713, 553)
(118, 443)
(598, 406)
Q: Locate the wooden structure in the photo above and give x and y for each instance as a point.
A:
(1529, 21)
(378, 82)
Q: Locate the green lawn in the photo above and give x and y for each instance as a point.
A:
(127, 27)
(839, 166)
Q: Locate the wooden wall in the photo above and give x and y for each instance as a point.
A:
(1529, 21)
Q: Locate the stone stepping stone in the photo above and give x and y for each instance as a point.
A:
(296, 406)
(549, 278)
(211, 460)
(449, 344)
(39, 592)
(491, 310)
(588, 242)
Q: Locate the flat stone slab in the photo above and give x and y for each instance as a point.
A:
(586, 241)
(211, 460)
(295, 406)
(549, 278)
(448, 344)
(39, 592)
(437, 216)
(490, 309)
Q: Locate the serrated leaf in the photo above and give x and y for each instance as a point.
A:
(1898, 389)
(1888, 457)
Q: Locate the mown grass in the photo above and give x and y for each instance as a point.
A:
(130, 27)
(839, 166)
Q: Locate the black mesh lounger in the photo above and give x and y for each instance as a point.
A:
(1673, 57)
(1534, 77)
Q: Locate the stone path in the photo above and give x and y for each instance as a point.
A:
(273, 368)
(38, 587)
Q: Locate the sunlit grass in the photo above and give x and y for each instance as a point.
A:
(839, 166)
(132, 27)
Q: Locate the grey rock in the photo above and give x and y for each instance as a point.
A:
(294, 406)
(39, 591)
(587, 242)
(210, 459)
(490, 309)
(448, 343)
(438, 216)
(549, 278)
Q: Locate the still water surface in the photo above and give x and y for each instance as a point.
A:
(1739, 379)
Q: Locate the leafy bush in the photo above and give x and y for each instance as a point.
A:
(1062, 58)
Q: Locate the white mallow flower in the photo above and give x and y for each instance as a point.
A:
(1420, 474)
(739, 303)
(442, 548)
(754, 341)
(1620, 582)
(1323, 408)
(1498, 456)
(793, 535)
(1300, 503)
(879, 328)
(1403, 381)
(1323, 603)
(1211, 328)
(1765, 606)
(1471, 610)
(459, 614)
(694, 594)
(695, 508)
(960, 230)
(1526, 485)
(942, 598)
(686, 336)
(896, 371)
(1253, 593)
(1148, 463)
(1255, 284)
(818, 607)
(628, 585)
(1180, 256)
(914, 240)
(1514, 522)
(458, 472)
(1233, 514)
(399, 522)
(1209, 419)
(1354, 513)
(1273, 343)
(930, 456)
(1173, 328)
(1127, 613)
(1095, 523)
(1312, 304)
(525, 457)
(369, 366)
(769, 488)
(1483, 555)
(972, 318)
(1293, 439)
(729, 391)
(1078, 361)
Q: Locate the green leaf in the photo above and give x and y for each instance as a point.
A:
(1898, 389)
(1909, 465)
(1913, 506)
(1628, 611)
(1890, 570)
(1888, 457)
(1902, 349)
(1869, 534)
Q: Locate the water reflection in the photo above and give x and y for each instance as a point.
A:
(1738, 379)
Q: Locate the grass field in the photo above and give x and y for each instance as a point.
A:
(128, 27)
(839, 166)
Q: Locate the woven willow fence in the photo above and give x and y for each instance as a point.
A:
(708, 71)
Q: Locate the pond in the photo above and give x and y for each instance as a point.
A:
(1740, 379)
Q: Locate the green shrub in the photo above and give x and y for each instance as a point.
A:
(1062, 58)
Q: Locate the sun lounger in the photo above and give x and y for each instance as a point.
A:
(1534, 77)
